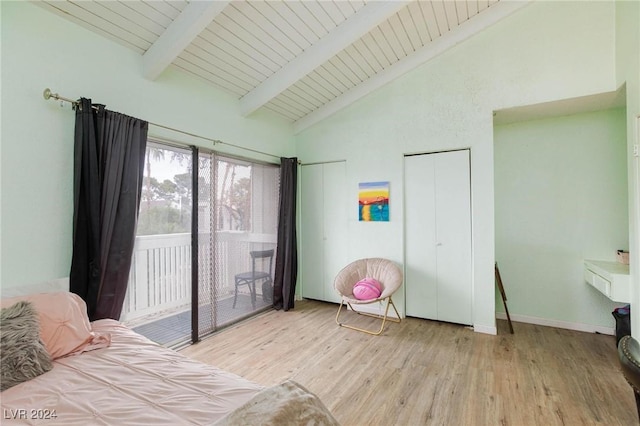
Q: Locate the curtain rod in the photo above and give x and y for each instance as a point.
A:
(48, 94)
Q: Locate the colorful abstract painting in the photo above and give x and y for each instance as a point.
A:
(373, 200)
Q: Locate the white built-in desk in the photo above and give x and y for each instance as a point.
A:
(610, 278)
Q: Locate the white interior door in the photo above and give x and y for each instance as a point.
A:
(438, 236)
(312, 231)
(421, 281)
(453, 239)
(335, 225)
(324, 228)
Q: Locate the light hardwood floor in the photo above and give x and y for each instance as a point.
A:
(423, 372)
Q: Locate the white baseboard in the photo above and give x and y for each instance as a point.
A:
(486, 329)
(588, 328)
(378, 309)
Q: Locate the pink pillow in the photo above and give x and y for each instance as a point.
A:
(64, 325)
(367, 289)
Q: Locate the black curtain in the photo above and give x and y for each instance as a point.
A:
(286, 272)
(108, 170)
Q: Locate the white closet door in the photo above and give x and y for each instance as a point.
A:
(421, 280)
(335, 225)
(453, 239)
(438, 236)
(323, 210)
(312, 231)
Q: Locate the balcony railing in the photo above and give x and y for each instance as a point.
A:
(160, 276)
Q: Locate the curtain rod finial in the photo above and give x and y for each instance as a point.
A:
(47, 94)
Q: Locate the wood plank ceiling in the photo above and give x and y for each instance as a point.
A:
(302, 59)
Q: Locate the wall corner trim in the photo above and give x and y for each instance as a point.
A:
(486, 329)
(587, 328)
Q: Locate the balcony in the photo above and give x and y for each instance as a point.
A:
(158, 299)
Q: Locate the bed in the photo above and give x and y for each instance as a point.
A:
(103, 373)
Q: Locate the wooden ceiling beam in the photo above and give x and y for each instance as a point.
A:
(194, 18)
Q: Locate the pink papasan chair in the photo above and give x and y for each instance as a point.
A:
(384, 271)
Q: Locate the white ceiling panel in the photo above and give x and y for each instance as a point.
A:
(372, 58)
(243, 29)
(153, 14)
(303, 13)
(407, 23)
(233, 59)
(302, 59)
(324, 83)
(227, 42)
(315, 88)
(208, 76)
(463, 11)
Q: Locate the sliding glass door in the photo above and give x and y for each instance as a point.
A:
(158, 298)
(236, 218)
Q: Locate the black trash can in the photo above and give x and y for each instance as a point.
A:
(623, 322)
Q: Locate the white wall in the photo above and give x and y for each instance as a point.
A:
(628, 72)
(39, 50)
(545, 52)
(560, 198)
(529, 58)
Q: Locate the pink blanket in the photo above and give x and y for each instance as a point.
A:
(132, 382)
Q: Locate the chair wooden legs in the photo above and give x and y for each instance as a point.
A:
(384, 317)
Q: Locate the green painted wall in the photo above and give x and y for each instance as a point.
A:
(444, 104)
(448, 102)
(39, 50)
(628, 73)
(560, 198)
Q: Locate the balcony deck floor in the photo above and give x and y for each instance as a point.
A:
(175, 328)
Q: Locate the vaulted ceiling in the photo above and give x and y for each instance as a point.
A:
(302, 59)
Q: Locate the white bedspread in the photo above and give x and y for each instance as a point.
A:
(133, 382)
